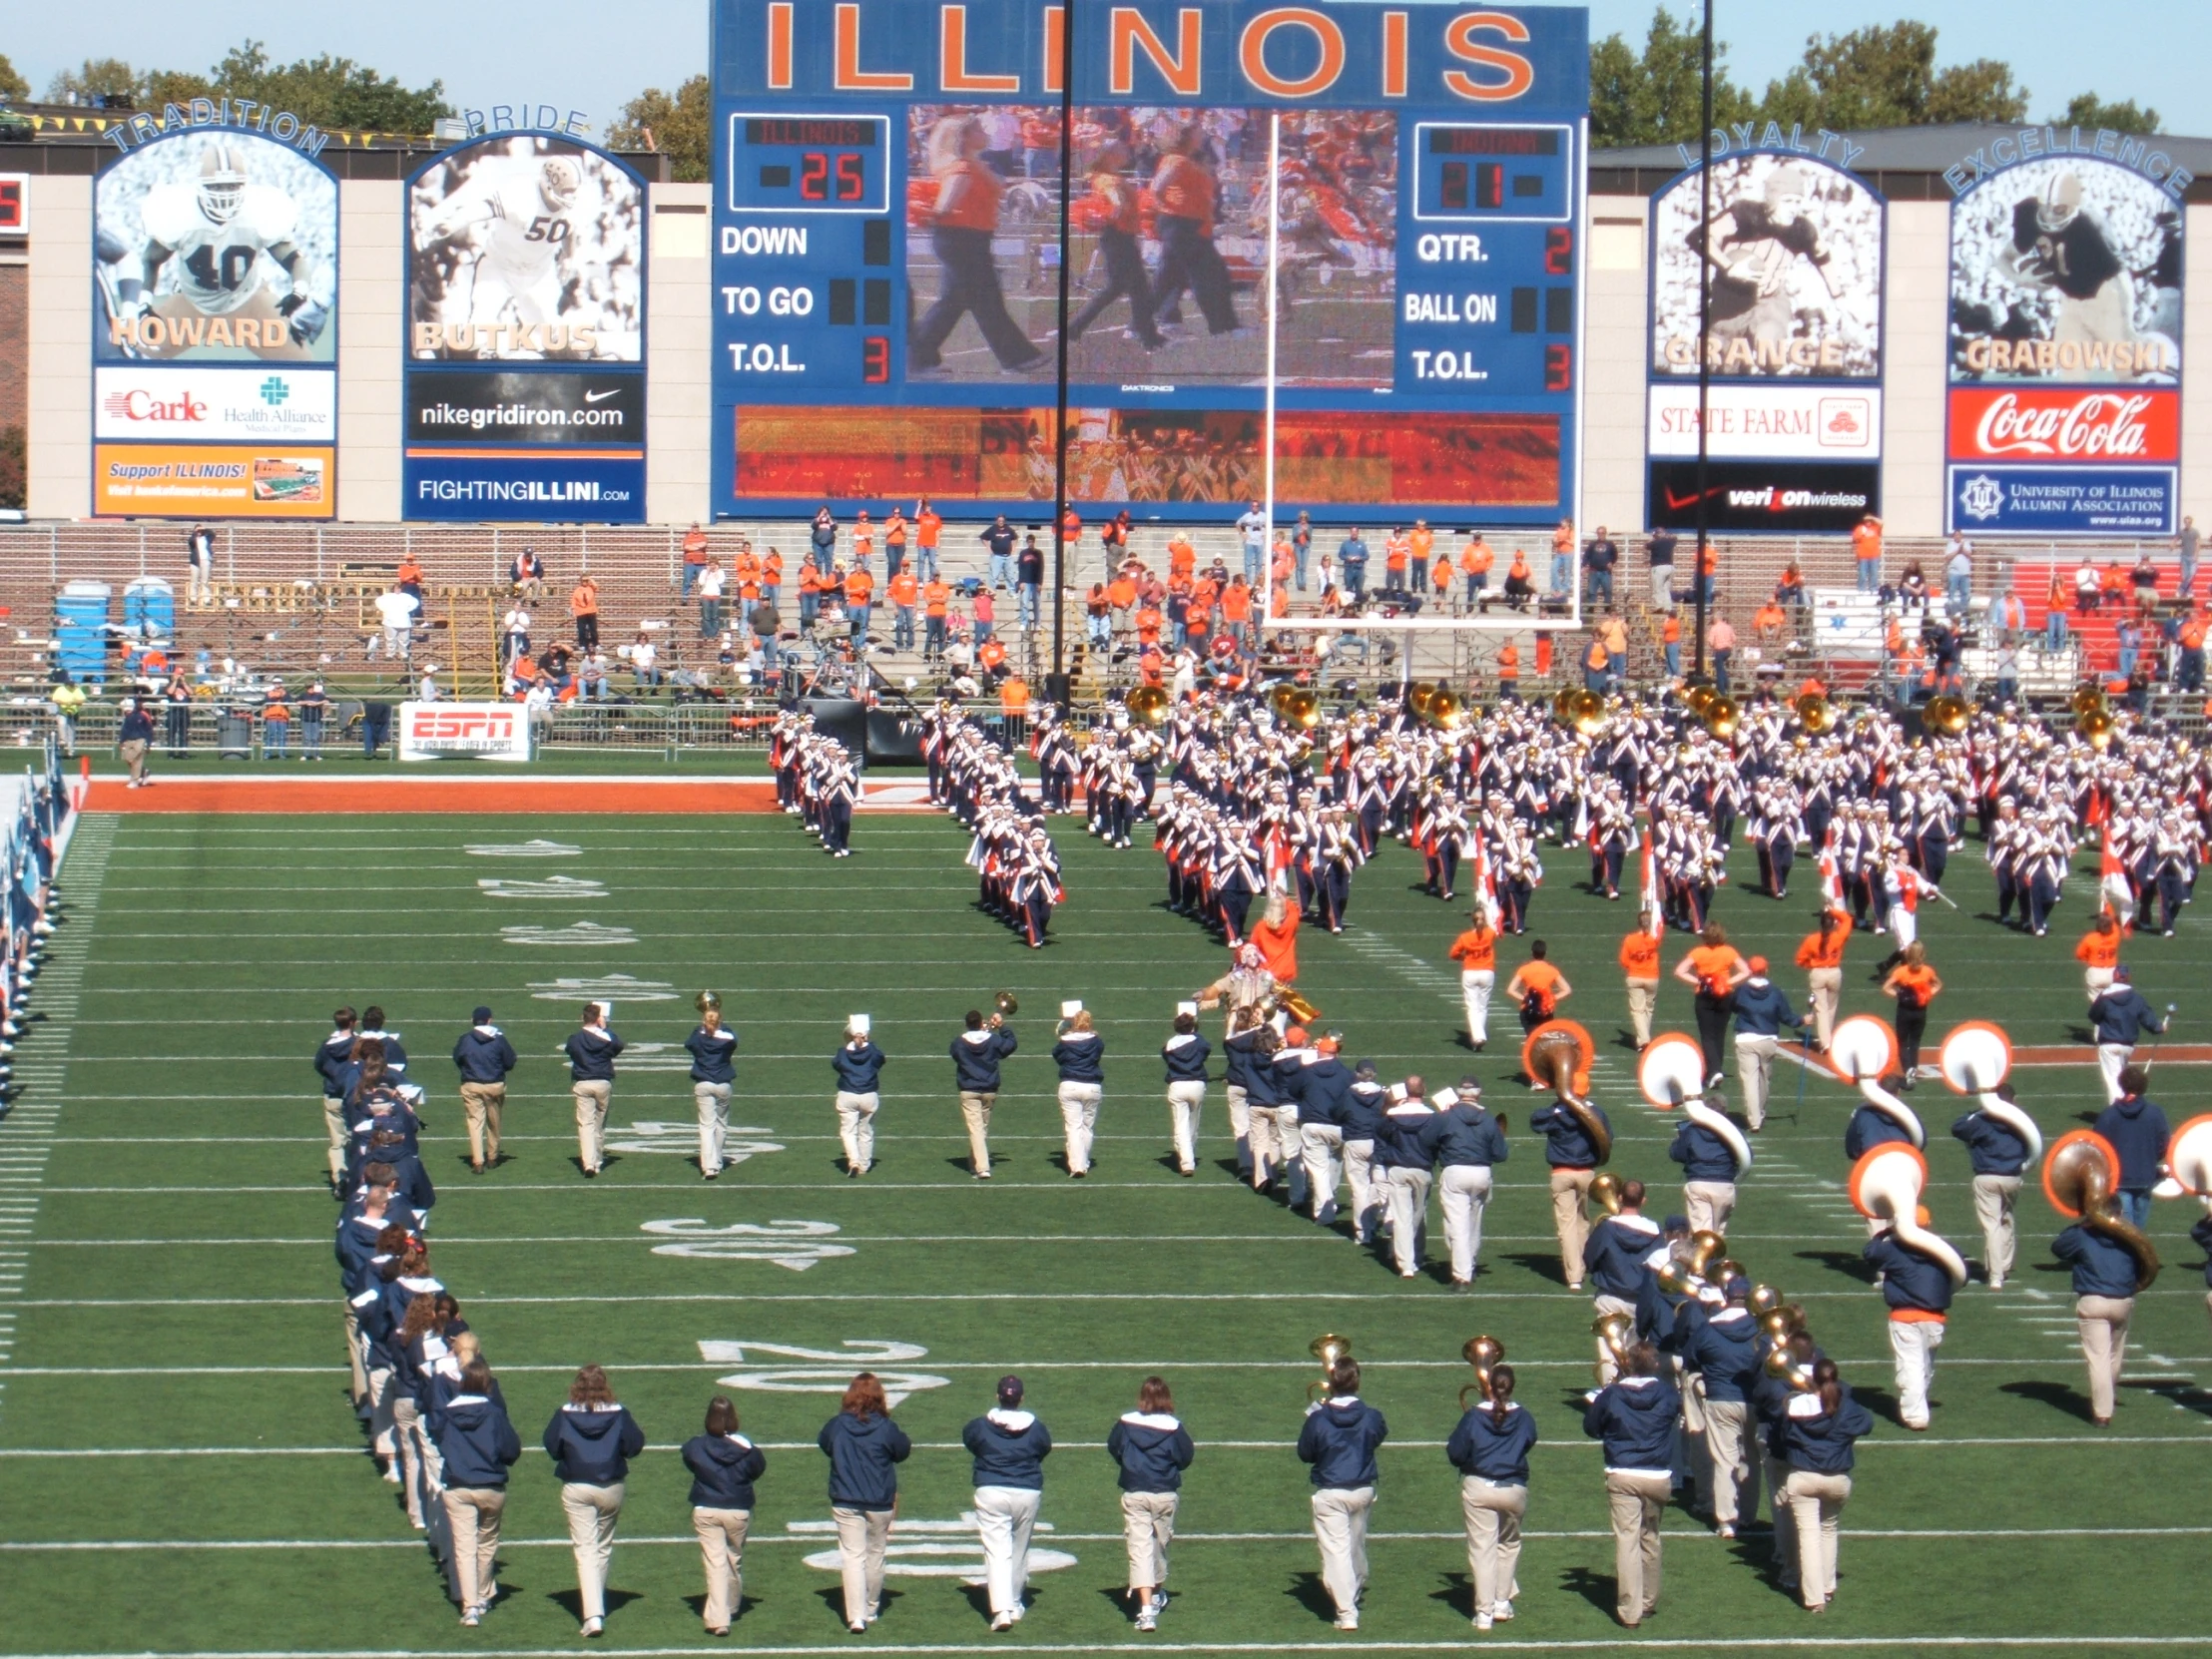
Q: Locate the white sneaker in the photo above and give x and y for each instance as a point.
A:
(1147, 1620)
(1482, 1620)
(1005, 1621)
(1348, 1622)
(1501, 1611)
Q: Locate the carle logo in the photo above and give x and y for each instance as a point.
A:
(140, 404)
(275, 390)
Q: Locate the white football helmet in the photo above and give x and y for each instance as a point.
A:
(558, 181)
(221, 182)
(2059, 204)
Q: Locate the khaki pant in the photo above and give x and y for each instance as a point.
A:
(2112, 1059)
(1914, 1343)
(1994, 1198)
(861, 1538)
(1637, 1498)
(1755, 1071)
(1476, 986)
(722, 1553)
(133, 751)
(1240, 1124)
(1290, 1145)
(417, 1462)
(1148, 1525)
(472, 1518)
(1267, 1145)
(1734, 1460)
(592, 1512)
(975, 1112)
(1643, 1002)
(1785, 1519)
(856, 1128)
(711, 1101)
(353, 1357)
(1819, 1502)
(592, 1101)
(1570, 1193)
(1826, 985)
(2102, 1322)
(1322, 1144)
(1340, 1529)
(2097, 982)
(1005, 1519)
(1409, 1199)
(1184, 1100)
(481, 1106)
(1367, 1193)
(1708, 1204)
(1494, 1513)
(1079, 1104)
(1464, 1193)
(1608, 1368)
(383, 1395)
(333, 1128)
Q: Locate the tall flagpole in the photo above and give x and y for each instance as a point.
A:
(1061, 403)
(1266, 434)
(1704, 344)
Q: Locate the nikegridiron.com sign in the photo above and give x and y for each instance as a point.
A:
(549, 408)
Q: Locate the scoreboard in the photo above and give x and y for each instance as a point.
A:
(886, 289)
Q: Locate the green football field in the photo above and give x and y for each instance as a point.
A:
(180, 1471)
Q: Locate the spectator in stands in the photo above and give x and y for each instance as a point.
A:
(1563, 556)
(2086, 587)
(1790, 591)
(859, 600)
(2008, 663)
(409, 576)
(2190, 675)
(1520, 589)
(1028, 580)
(526, 575)
(594, 673)
(821, 539)
(927, 528)
(645, 662)
(998, 537)
(936, 601)
(1670, 643)
(177, 716)
(1598, 561)
(1660, 551)
(1709, 571)
(695, 558)
(1769, 623)
(744, 578)
(396, 608)
(2008, 618)
(1865, 549)
(199, 563)
(1720, 646)
(771, 580)
(895, 532)
(905, 594)
(1912, 585)
(2187, 544)
(514, 633)
(1475, 561)
(583, 606)
(1957, 574)
(1351, 555)
(314, 707)
(710, 584)
(2128, 636)
(863, 540)
(427, 690)
(986, 613)
(2144, 579)
(2115, 584)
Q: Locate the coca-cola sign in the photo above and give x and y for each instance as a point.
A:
(2028, 424)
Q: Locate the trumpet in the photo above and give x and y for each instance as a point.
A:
(708, 1002)
(1332, 1351)
(1612, 1331)
(1481, 1352)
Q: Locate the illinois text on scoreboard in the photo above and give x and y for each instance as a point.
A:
(886, 290)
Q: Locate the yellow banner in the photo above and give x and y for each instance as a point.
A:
(157, 480)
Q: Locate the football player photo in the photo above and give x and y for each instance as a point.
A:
(526, 249)
(216, 247)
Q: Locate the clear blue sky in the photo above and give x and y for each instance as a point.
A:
(591, 56)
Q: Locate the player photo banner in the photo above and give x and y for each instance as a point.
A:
(526, 249)
(214, 247)
(1796, 268)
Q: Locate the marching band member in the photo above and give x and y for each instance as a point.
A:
(2121, 1014)
(1153, 1449)
(1366, 1104)
(590, 1441)
(864, 1448)
(1250, 1091)
(1639, 958)
(1490, 1449)
(1633, 1418)
(477, 1445)
(1185, 1054)
(1821, 955)
(483, 1057)
(330, 1061)
(591, 1068)
(722, 1464)
(1080, 1054)
(1475, 950)
(1815, 1434)
(1760, 1011)
(1468, 1143)
(1537, 988)
(1285, 1075)
(1405, 1156)
(1339, 1440)
(1707, 1175)
(2000, 1155)
(2137, 1131)
(1618, 1247)
(1713, 970)
(1573, 1158)
(2105, 1280)
(976, 1053)
(858, 1064)
(1914, 985)
(1323, 1089)
(713, 1072)
(1723, 1349)
(1918, 1289)
(1009, 1447)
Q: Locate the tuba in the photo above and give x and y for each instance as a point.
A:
(1006, 1004)
(1684, 1273)
(1814, 713)
(1443, 711)
(1976, 1059)
(1946, 716)
(1721, 717)
(1605, 1192)
(1863, 1050)
(1886, 1184)
(708, 1002)
(1279, 697)
(1149, 704)
(1330, 1349)
(1481, 1352)
(2079, 1177)
(1612, 1331)
(1558, 1054)
(2189, 1162)
(1671, 1072)
(1303, 708)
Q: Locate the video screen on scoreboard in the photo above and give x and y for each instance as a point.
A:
(891, 178)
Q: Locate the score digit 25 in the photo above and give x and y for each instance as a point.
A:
(827, 177)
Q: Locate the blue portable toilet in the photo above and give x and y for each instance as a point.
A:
(149, 609)
(81, 630)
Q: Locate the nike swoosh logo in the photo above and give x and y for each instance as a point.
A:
(601, 396)
(1676, 503)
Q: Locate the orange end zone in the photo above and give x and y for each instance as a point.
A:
(332, 796)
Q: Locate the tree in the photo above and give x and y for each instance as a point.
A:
(322, 90)
(1887, 76)
(109, 78)
(12, 83)
(2087, 110)
(682, 127)
(1655, 98)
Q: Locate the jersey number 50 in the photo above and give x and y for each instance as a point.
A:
(546, 229)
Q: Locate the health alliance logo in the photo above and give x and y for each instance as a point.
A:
(276, 390)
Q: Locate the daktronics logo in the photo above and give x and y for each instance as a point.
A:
(2065, 425)
(441, 725)
(139, 404)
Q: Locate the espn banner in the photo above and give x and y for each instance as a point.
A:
(476, 731)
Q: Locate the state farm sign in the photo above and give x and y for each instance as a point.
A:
(480, 731)
(2030, 424)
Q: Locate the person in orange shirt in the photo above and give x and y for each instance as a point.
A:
(894, 544)
(1121, 595)
(1276, 938)
(1519, 590)
(1543, 656)
(771, 578)
(1013, 694)
(1714, 969)
(1821, 955)
(409, 576)
(936, 600)
(1236, 609)
(810, 593)
(1152, 664)
(1475, 950)
(963, 219)
(1475, 560)
(903, 592)
(1769, 623)
(991, 656)
(1507, 670)
(1421, 544)
(1640, 963)
(2099, 953)
(1149, 624)
(1441, 580)
(859, 599)
(583, 605)
(1914, 985)
(1670, 643)
(927, 528)
(1537, 988)
(1181, 557)
(1183, 196)
(1865, 547)
(1562, 557)
(695, 558)
(864, 539)
(1398, 559)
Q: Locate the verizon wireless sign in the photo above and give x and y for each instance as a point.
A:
(1768, 421)
(2030, 424)
(216, 406)
(479, 731)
